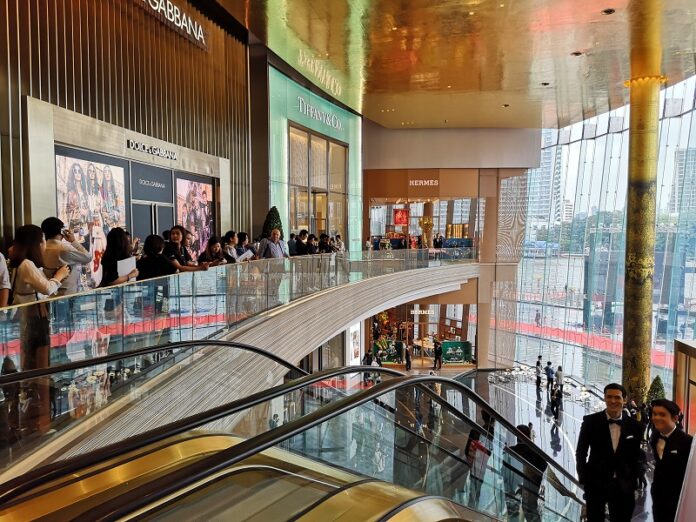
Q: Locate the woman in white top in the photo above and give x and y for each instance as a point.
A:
(30, 284)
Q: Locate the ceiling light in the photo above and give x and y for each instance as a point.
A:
(506, 105)
(545, 84)
(449, 86)
(576, 53)
(446, 121)
(471, 13)
(502, 5)
(609, 11)
(394, 28)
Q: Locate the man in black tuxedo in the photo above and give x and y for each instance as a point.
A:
(670, 448)
(610, 474)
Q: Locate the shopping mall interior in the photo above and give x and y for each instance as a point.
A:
(348, 260)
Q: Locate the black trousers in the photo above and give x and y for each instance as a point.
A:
(620, 499)
(538, 382)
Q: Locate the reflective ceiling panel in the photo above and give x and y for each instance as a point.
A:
(467, 63)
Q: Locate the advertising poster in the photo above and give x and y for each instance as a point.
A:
(354, 344)
(401, 216)
(194, 211)
(91, 201)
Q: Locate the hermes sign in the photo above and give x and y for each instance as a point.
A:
(176, 18)
(423, 182)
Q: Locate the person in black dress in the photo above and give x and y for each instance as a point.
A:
(154, 263)
(118, 248)
(610, 472)
(178, 255)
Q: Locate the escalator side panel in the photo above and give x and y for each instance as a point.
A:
(131, 472)
(366, 501)
(434, 510)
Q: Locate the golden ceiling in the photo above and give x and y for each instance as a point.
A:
(468, 63)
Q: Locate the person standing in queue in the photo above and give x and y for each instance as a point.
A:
(670, 448)
(610, 473)
(537, 370)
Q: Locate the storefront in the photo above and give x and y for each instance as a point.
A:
(314, 162)
(111, 124)
(415, 208)
(415, 328)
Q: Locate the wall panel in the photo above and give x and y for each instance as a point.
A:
(113, 61)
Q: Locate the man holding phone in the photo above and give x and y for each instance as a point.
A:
(63, 249)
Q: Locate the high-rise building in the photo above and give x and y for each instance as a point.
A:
(544, 188)
(683, 195)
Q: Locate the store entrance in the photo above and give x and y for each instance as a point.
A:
(319, 215)
(151, 218)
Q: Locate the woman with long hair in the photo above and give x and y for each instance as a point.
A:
(213, 254)
(118, 248)
(176, 252)
(76, 204)
(29, 283)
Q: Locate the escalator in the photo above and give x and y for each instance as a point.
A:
(407, 448)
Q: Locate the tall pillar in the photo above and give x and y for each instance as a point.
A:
(426, 224)
(646, 78)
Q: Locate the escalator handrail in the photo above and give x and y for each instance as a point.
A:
(12, 378)
(186, 476)
(34, 478)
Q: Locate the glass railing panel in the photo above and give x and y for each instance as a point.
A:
(189, 305)
(55, 416)
(410, 438)
(291, 406)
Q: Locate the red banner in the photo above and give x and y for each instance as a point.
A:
(401, 216)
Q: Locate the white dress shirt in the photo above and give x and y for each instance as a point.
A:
(59, 253)
(661, 443)
(614, 431)
(4, 274)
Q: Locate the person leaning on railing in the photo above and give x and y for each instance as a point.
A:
(213, 254)
(154, 263)
(62, 248)
(176, 253)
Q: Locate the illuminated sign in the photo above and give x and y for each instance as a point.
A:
(318, 69)
(423, 182)
(175, 17)
(151, 149)
(327, 118)
(422, 312)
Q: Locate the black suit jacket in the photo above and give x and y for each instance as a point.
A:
(669, 473)
(603, 463)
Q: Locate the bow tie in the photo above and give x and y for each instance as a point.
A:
(615, 421)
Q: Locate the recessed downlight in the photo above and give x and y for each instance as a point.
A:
(576, 53)
(545, 84)
(608, 11)
(505, 105)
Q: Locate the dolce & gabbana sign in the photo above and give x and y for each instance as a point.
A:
(177, 18)
(327, 118)
(151, 149)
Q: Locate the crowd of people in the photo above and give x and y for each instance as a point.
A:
(46, 261)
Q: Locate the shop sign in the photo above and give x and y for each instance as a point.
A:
(150, 183)
(151, 149)
(423, 182)
(423, 312)
(319, 71)
(176, 18)
(327, 118)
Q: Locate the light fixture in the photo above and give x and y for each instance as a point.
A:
(502, 5)
(608, 11)
(449, 86)
(576, 53)
(394, 28)
(545, 84)
(506, 105)
(471, 13)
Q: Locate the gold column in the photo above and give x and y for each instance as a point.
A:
(646, 78)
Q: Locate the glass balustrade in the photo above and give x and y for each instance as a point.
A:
(186, 306)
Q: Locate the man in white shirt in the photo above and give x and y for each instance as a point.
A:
(63, 249)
